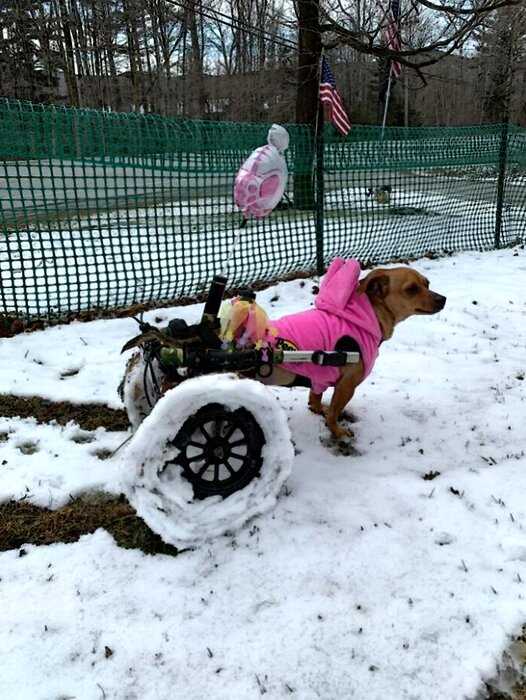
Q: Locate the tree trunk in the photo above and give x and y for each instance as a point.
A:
(68, 54)
(114, 96)
(196, 66)
(307, 96)
(406, 98)
(130, 9)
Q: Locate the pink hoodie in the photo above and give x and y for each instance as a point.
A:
(339, 311)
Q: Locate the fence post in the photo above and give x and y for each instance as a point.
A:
(503, 155)
(320, 192)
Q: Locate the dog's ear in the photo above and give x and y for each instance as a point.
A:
(376, 284)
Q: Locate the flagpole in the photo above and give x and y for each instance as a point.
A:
(393, 42)
(317, 122)
(317, 169)
(387, 96)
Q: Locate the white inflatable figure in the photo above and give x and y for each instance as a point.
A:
(261, 180)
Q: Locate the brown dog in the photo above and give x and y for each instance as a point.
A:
(395, 294)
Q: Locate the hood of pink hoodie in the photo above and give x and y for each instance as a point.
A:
(339, 310)
(338, 295)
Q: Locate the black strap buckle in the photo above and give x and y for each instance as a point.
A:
(331, 358)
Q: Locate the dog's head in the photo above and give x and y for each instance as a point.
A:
(398, 293)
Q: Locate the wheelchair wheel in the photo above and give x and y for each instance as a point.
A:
(214, 452)
(219, 450)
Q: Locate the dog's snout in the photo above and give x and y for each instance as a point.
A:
(439, 301)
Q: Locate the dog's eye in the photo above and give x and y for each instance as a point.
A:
(412, 289)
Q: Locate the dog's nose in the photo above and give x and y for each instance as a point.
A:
(440, 301)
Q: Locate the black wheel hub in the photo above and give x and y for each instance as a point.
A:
(219, 450)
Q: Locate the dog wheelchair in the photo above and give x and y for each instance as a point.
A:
(211, 446)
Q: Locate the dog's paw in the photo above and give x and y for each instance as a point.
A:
(318, 409)
(348, 417)
(340, 447)
(347, 449)
(339, 432)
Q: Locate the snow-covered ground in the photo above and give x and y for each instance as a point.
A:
(366, 580)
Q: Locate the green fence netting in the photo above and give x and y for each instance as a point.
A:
(101, 210)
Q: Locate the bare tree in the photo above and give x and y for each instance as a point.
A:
(501, 49)
(335, 24)
(239, 60)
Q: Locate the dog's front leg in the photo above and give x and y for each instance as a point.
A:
(315, 404)
(343, 393)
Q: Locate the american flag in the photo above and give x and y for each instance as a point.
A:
(392, 35)
(330, 96)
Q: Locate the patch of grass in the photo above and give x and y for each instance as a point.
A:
(517, 693)
(430, 475)
(28, 447)
(24, 523)
(70, 373)
(103, 453)
(88, 416)
(509, 683)
(83, 438)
